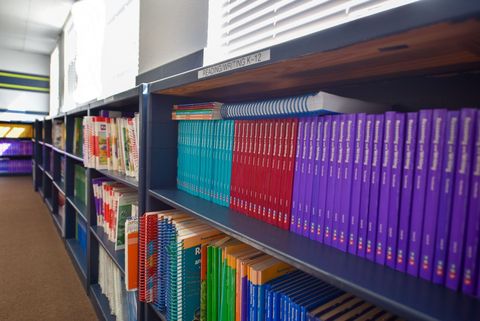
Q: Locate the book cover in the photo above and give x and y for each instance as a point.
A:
(375, 186)
(470, 261)
(278, 174)
(337, 202)
(446, 196)
(323, 177)
(309, 176)
(268, 178)
(332, 170)
(315, 198)
(432, 192)
(289, 173)
(384, 206)
(131, 254)
(419, 190)
(395, 189)
(408, 173)
(356, 183)
(366, 186)
(303, 177)
(347, 178)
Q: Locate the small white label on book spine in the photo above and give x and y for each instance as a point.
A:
(237, 63)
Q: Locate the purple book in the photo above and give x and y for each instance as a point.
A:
(470, 262)
(296, 175)
(315, 199)
(366, 186)
(324, 166)
(303, 174)
(432, 193)
(311, 152)
(332, 168)
(419, 190)
(384, 206)
(446, 196)
(395, 187)
(356, 183)
(338, 180)
(375, 186)
(408, 173)
(347, 174)
(460, 198)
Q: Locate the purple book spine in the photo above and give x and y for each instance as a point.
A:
(324, 165)
(303, 173)
(297, 176)
(346, 192)
(419, 191)
(432, 193)
(460, 198)
(356, 184)
(395, 186)
(446, 197)
(410, 148)
(375, 188)
(316, 178)
(384, 206)
(338, 180)
(332, 167)
(366, 186)
(470, 263)
(307, 203)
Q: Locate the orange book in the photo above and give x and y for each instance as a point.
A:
(131, 254)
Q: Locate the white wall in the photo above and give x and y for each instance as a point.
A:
(171, 29)
(17, 61)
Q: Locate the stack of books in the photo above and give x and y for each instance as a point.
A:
(202, 111)
(113, 205)
(399, 189)
(111, 143)
(15, 147)
(23, 166)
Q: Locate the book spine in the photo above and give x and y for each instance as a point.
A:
(307, 204)
(324, 166)
(278, 201)
(395, 186)
(303, 165)
(406, 191)
(446, 197)
(290, 168)
(375, 188)
(316, 179)
(433, 192)
(256, 168)
(268, 172)
(419, 191)
(332, 167)
(470, 263)
(366, 186)
(460, 197)
(351, 122)
(339, 181)
(263, 171)
(384, 206)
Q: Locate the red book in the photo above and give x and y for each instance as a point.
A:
(242, 163)
(235, 163)
(284, 150)
(258, 168)
(265, 183)
(253, 166)
(141, 259)
(288, 184)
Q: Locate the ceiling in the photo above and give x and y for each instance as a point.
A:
(32, 25)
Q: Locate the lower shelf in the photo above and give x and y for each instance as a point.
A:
(77, 255)
(117, 256)
(100, 302)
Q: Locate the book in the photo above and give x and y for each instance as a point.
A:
(338, 177)
(432, 193)
(200, 111)
(332, 170)
(320, 103)
(408, 173)
(131, 254)
(78, 136)
(419, 190)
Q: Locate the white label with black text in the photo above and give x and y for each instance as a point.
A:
(241, 62)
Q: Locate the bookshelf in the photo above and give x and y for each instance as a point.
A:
(410, 57)
(16, 148)
(49, 183)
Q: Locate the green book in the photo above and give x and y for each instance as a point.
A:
(80, 185)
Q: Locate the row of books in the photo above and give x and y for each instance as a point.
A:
(190, 271)
(123, 304)
(111, 143)
(15, 147)
(205, 158)
(203, 111)
(113, 205)
(399, 189)
(59, 134)
(15, 165)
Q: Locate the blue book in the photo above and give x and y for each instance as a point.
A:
(297, 176)
(338, 180)
(332, 171)
(311, 154)
(315, 195)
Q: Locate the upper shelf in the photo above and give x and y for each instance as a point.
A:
(426, 37)
(412, 298)
(119, 177)
(124, 98)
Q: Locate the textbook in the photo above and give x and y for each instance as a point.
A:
(320, 103)
(200, 111)
(78, 137)
(131, 254)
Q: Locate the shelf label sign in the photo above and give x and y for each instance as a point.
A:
(233, 64)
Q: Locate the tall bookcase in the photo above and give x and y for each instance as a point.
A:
(417, 56)
(12, 136)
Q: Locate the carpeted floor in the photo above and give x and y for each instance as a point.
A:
(37, 279)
